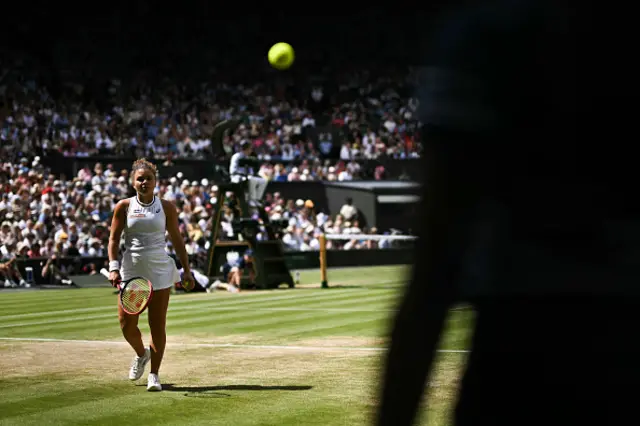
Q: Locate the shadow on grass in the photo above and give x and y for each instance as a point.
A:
(198, 389)
(216, 391)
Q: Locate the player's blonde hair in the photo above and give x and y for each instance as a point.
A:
(144, 164)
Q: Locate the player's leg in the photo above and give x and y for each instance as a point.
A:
(234, 276)
(157, 324)
(131, 333)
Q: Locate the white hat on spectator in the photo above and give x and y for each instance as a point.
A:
(309, 229)
(57, 183)
(198, 210)
(97, 188)
(332, 169)
(277, 208)
(214, 188)
(299, 202)
(194, 183)
(185, 183)
(173, 180)
(204, 182)
(294, 170)
(179, 175)
(122, 179)
(303, 178)
(96, 217)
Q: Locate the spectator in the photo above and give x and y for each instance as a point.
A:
(9, 273)
(57, 272)
(234, 268)
(348, 211)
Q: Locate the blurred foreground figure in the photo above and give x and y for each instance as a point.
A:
(531, 215)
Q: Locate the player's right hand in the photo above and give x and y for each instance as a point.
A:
(115, 278)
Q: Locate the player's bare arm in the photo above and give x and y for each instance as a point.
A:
(117, 227)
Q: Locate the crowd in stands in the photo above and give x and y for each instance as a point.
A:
(356, 116)
(42, 215)
(320, 132)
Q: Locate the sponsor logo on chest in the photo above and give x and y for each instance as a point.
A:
(142, 211)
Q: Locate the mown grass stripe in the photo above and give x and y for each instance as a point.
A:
(10, 298)
(241, 311)
(7, 320)
(322, 322)
(31, 404)
(93, 407)
(273, 323)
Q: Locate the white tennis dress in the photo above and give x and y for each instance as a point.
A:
(144, 242)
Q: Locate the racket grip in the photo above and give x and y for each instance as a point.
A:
(104, 272)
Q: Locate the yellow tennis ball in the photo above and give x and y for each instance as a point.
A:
(281, 56)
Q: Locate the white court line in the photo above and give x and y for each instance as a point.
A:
(222, 345)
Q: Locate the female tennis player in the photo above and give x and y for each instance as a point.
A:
(144, 219)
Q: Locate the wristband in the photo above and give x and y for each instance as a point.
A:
(114, 265)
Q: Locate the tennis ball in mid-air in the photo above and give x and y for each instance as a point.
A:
(281, 56)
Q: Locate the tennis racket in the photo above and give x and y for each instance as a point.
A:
(135, 293)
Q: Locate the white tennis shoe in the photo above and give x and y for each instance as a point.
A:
(153, 383)
(138, 364)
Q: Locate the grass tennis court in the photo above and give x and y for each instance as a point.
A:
(305, 356)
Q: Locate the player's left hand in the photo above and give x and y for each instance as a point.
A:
(188, 283)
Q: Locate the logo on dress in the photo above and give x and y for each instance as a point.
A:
(158, 211)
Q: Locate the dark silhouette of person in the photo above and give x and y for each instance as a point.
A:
(529, 214)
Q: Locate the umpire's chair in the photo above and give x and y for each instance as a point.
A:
(270, 267)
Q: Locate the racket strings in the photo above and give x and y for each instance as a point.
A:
(136, 295)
